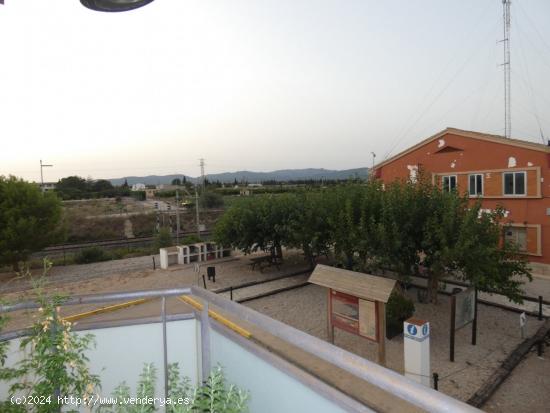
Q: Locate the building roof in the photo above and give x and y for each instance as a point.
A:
(470, 134)
(365, 286)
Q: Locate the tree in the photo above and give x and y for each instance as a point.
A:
(211, 200)
(102, 185)
(309, 229)
(28, 220)
(72, 187)
(176, 181)
(259, 223)
(484, 260)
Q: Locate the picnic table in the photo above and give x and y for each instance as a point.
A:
(270, 260)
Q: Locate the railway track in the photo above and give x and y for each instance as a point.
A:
(60, 250)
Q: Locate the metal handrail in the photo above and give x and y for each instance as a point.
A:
(100, 298)
(383, 378)
(390, 381)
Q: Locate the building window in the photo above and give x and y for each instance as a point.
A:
(449, 183)
(476, 184)
(516, 236)
(514, 183)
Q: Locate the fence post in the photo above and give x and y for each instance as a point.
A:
(436, 381)
(154, 263)
(231, 292)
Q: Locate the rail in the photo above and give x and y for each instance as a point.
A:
(391, 382)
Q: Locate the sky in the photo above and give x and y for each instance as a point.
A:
(258, 85)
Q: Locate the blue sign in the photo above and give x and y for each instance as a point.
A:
(411, 329)
(425, 330)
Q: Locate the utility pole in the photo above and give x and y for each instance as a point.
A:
(177, 217)
(203, 178)
(506, 67)
(42, 174)
(197, 211)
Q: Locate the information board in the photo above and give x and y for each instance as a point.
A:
(354, 315)
(367, 319)
(465, 308)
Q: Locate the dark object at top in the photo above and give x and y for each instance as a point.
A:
(211, 272)
(114, 5)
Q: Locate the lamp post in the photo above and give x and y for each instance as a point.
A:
(42, 174)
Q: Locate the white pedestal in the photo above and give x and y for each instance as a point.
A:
(417, 350)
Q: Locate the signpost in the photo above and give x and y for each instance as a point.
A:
(463, 312)
(356, 303)
(417, 350)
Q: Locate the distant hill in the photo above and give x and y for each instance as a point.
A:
(252, 177)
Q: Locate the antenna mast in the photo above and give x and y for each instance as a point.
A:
(506, 64)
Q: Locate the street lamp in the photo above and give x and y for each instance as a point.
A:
(114, 5)
(41, 174)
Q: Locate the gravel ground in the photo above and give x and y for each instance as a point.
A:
(305, 308)
(498, 335)
(526, 390)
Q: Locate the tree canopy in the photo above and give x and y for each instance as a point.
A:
(75, 187)
(28, 220)
(406, 227)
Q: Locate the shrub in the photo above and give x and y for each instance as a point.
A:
(55, 357)
(398, 309)
(213, 396)
(190, 239)
(211, 200)
(92, 254)
(162, 239)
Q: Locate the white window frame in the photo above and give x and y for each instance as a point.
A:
(516, 230)
(513, 173)
(449, 189)
(476, 194)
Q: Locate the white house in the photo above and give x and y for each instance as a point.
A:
(138, 187)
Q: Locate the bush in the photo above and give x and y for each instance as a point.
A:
(92, 254)
(138, 195)
(398, 309)
(211, 200)
(190, 239)
(215, 395)
(163, 239)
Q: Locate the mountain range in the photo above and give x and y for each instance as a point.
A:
(284, 175)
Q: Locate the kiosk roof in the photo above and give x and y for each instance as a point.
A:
(358, 284)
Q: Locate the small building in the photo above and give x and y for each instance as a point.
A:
(138, 187)
(512, 173)
(47, 186)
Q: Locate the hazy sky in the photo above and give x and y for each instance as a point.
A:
(257, 84)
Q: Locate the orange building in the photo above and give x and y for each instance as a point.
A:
(508, 172)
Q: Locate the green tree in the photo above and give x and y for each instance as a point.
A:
(28, 220)
(162, 239)
(211, 199)
(309, 229)
(259, 223)
(72, 187)
(176, 181)
(102, 185)
(484, 260)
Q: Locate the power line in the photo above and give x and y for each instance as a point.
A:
(449, 83)
(531, 90)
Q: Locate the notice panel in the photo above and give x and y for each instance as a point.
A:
(465, 308)
(367, 319)
(345, 311)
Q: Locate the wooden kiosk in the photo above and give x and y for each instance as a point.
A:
(356, 303)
